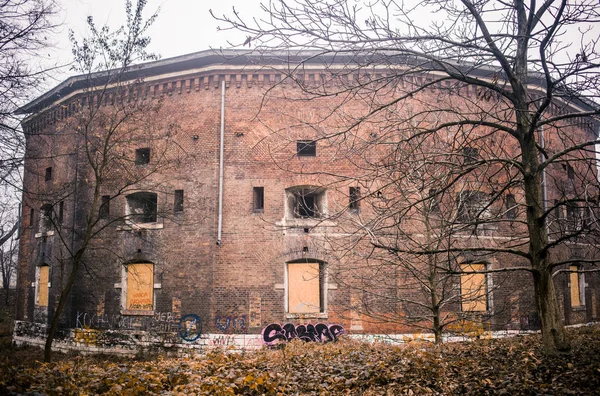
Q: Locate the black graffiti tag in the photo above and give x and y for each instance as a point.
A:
(320, 332)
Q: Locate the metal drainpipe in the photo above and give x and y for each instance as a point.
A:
(222, 143)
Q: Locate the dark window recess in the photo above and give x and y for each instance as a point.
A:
(434, 203)
(473, 206)
(104, 211)
(142, 156)
(306, 205)
(570, 172)
(574, 220)
(306, 148)
(61, 208)
(142, 207)
(45, 218)
(258, 199)
(354, 197)
(178, 202)
(470, 155)
(31, 217)
(511, 207)
(48, 175)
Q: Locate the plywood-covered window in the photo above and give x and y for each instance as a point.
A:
(473, 288)
(576, 286)
(305, 287)
(140, 287)
(43, 286)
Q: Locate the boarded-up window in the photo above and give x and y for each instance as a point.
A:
(473, 288)
(304, 287)
(140, 287)
(43, 286)
(576, 286)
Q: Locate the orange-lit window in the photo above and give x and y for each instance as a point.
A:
(140, 287)
(43, 286)
(473, 288)
(304, 287)
(576, 286)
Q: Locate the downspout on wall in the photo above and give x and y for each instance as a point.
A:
(221, 145)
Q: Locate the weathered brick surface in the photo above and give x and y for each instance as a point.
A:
(239, 285)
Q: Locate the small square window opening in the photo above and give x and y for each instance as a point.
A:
(306, 148)
(142, 156)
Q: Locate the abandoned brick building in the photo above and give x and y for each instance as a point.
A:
(220, 196)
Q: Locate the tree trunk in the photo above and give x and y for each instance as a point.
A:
(60, 308)
(554, 336)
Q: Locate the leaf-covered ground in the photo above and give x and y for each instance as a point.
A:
(513, 366)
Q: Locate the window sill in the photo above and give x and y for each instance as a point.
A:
(306, 223)
(135, 312)
(578, 308)
(321, 315)
(140, 226)
(43, 234)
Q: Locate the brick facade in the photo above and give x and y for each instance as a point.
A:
(238, 285)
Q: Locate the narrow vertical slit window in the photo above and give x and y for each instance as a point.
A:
(61, 208)
(354, 196)
(511, 207)
(178, 201)
(258, 199)
(48, 175)
(104, 211)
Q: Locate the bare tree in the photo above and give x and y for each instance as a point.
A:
(507, 85)
(111, 143)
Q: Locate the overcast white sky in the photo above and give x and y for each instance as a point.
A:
(182, 27)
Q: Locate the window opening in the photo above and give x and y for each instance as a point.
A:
(306, 148)
(45, 218)
(258, 199)
(142, 207)
(473, 288)
(104, 210)
(470, 155)
(472, 206)
(48, 175)
(305, 287)
(511, 207)
(576, 286)
(43, 286)
(570, 172)
(140, 287)
(142, 156)
(354, 197)
(61, 208)
(178, 201)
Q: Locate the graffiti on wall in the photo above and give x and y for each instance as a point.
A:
(320, 332)
(190, 327)
(159, 322)
(231, 323)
